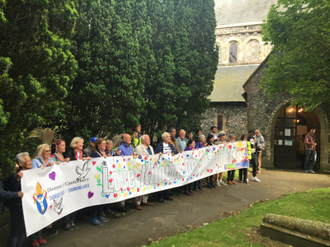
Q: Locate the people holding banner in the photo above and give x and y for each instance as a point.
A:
(99, 151)
(125, 149)
(221, 140)
(14, 193)
(165, 147)
(144, 149)
(42, 160)
(188, 188)
(173, 141)
(57, 150)
(182, 140)
(89, 150)
(254, 157)
(243, 171)
(109, 148)
(231, 174)
(209, 180)
(42, 157)
(76, 152)
(200, 144)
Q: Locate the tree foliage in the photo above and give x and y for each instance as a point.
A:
(299, 64)
(35, 67)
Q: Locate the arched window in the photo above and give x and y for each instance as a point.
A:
(220, 123)
(233, 53)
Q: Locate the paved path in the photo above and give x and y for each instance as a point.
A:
(166, 219)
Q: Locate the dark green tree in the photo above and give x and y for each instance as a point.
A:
(35, 67)
(105, 98)
(299, 63)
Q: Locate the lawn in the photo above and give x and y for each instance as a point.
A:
(242, 228)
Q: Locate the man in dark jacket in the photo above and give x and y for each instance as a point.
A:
(165, 147)
(17, 229)
(7, 195)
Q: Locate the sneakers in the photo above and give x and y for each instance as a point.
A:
(218, 184)
(223, 183)
(50, 231)
(96, 223)
(42, 241)
(311, 171)
(103, 219)
(35, 243)
(306, 171)
(255, 179)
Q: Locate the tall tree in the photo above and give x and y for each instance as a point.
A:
(299, 64)
(105, 98)
(35, 67)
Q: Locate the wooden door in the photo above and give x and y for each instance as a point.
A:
(285, 154)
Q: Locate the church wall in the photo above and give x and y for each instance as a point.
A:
(234, 116)
(262, 113)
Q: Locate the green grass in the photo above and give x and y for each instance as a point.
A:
(242, 229)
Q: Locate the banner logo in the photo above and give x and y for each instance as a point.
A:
(40, 199)
(82, 172)
(58, 205)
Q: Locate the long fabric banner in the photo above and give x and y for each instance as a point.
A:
(51, 193)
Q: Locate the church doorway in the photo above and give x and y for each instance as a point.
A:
(291, 124)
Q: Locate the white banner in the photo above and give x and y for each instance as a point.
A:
(51, 193)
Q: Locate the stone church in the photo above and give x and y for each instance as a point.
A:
(239, 104)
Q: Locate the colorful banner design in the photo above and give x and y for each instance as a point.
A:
(51, 193)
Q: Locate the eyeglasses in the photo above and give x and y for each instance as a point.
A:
(47, 151)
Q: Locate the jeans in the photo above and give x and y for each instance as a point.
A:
(241, 173)
(254, 162)
(97, 211)
(164, 194)
(17, 228)
(231, 175)
(310, 159)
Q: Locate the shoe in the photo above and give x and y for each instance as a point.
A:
(233, 182)
(212, 184)
(218, 184)
(223, 183)
(229, 182)
(122, 209)
(187, 193)
(138, 207)
(35, 243)
(191, 193)
(110, 211)
(311, 171)
(161, 200)
(246, 181)
(50, 231)
(196, 188)
(42, 241)
(209, 185)
(96, 223)
(168, 198)
(102, 219)
(255, 179)
(306, 171)
(240, 181)
(69, 228)
(75, 227)
(200, 187)
(103, 214)
(148, 204)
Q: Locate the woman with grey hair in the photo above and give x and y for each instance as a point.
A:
(201, 142)
(42, 158)
(14, 195)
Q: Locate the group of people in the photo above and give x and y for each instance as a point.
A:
(135, 144)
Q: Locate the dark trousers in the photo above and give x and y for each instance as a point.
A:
(231, 175)
(188, 187)
(254, 162)
(198, 184)
(310, 159)
(210, 178)
(17, 228)
(163, 194)
(69, 219)
(36, 236)
(97, 211)
(243, 173)
(302, 159)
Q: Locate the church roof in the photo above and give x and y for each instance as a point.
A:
(228, 82)
(231, 12)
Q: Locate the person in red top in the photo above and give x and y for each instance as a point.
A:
(310, 146)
